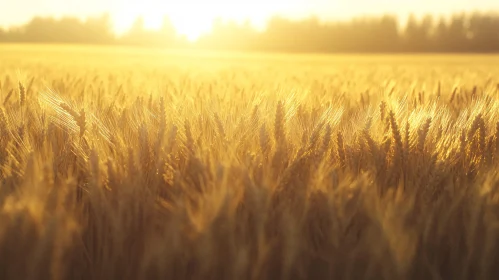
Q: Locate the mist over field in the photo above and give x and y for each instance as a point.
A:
(472, 31)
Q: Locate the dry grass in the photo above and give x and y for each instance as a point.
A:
(248, 170)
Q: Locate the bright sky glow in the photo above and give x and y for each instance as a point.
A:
(194, 17)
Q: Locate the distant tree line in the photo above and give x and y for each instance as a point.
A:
(476, 32)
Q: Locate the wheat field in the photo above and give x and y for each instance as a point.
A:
(121, 163)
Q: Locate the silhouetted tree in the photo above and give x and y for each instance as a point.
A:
(387, 34)
(68, 30)
(483, 31)
(439, 38)
(417, 34)
(456, 40)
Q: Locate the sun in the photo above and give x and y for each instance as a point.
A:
(190, 18)
(194, 25)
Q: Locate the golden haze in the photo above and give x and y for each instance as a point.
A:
(123, 163)
(194, 17)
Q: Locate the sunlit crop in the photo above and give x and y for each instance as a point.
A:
(135, 164)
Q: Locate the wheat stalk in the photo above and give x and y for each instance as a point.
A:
(22, 94)
(79, 118)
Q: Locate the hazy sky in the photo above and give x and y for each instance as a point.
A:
(194, 16)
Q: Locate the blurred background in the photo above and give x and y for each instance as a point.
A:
(281, 26)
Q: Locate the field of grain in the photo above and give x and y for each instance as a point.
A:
(122, 163)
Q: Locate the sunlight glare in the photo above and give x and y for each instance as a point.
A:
(193, 18)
